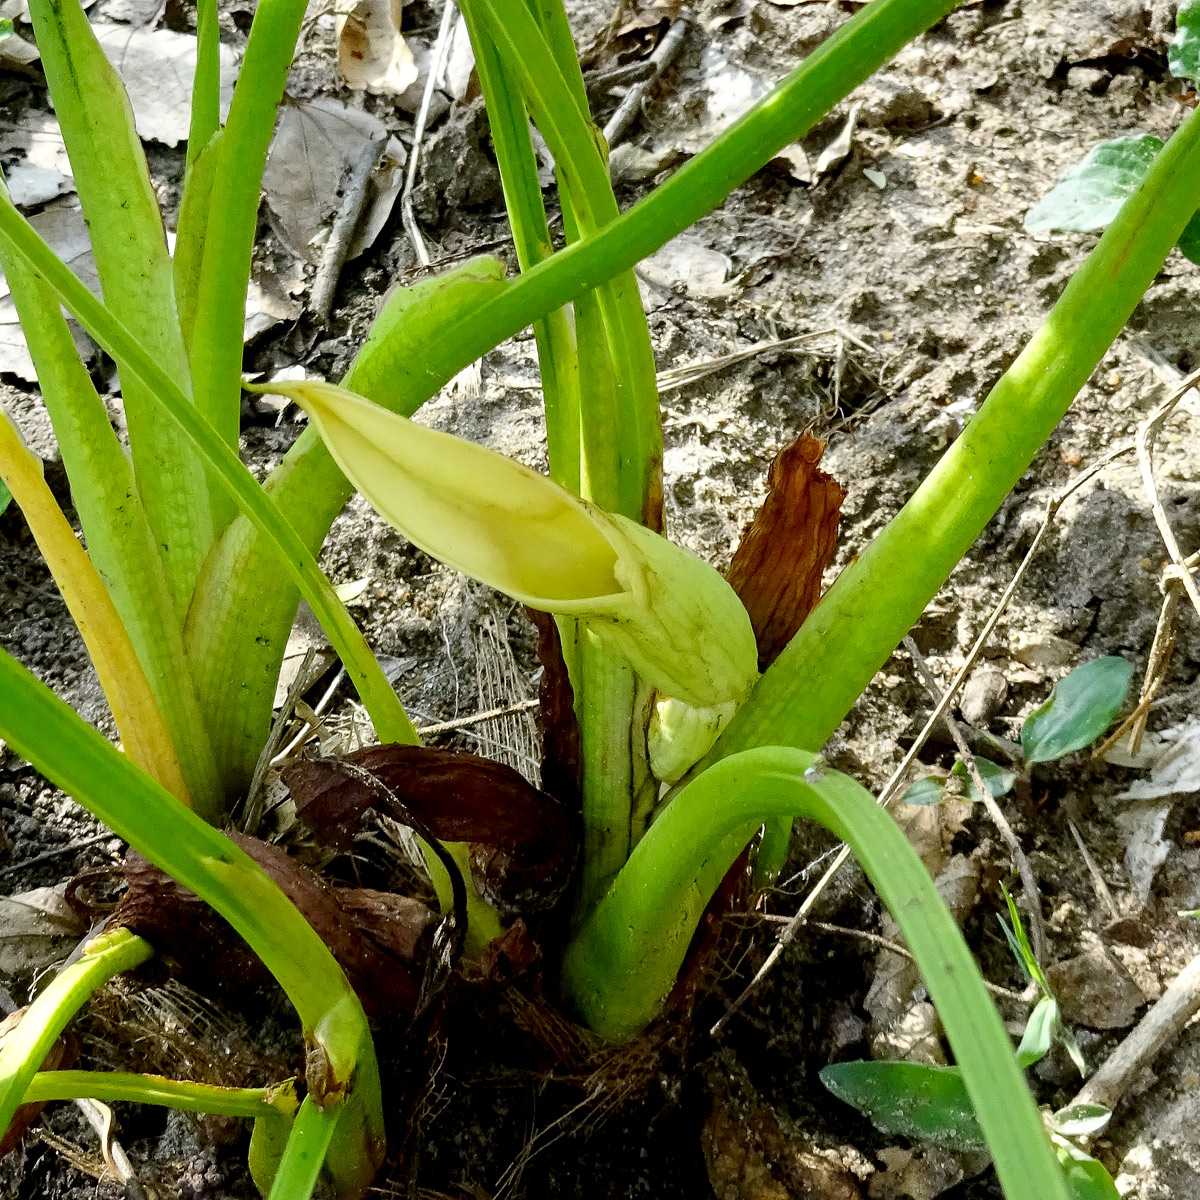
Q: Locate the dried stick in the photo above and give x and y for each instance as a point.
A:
(1162, 1024)
(788, 934)
(664, 54)
(1146, 435)
(1033, 894)
(441, 48)
(876, 939)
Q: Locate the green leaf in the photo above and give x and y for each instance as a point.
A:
(1090, 195)
(910, 1099)
(1189, 240)
(1079, 710)
(927, 791)
(5, 496)
(1081, 1120)
(1086, 1178)
(1039, 1032)
(996, 779)
(1018, 943)
(1183, 57)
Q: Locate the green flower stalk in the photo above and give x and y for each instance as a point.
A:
(671, 615)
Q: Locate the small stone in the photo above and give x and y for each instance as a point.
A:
(1087, 79)
(1096, 990)
(1045, 651)
(983, 696)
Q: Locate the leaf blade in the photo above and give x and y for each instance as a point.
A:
(1079, 709)
(1090, 195)
(911, 1099)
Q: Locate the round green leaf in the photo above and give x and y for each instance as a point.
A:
(1079, 710)
(1183, 57)
(1086, 1178)
(1090, 195)
(911, 1099)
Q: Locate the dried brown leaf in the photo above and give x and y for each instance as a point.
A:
(211, 956)
(777, 569)
(528, 837)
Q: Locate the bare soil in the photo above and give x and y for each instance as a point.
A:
(918, 284)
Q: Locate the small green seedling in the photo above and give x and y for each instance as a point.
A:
(1079, 710)
(931, 1103)
(1089, 195)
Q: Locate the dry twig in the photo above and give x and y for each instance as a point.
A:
(664, 54)
(1162, 1024)
(354, 199)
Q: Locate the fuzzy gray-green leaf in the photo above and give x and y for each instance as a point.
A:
(1183, 57)
(1090, 195)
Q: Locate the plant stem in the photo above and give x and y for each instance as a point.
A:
(304, 1155)
(120, 542)
(134, 708)
(228, 238)
(875, 601)
(310, 489)
(555, 332)
(623, 963)
(45, 732)
(24, 1050)
(252, 1103)
(126, 230)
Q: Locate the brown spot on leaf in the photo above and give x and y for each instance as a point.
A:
(777, 569)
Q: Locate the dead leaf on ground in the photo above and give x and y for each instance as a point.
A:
(839, 149)
(1095, 989)
(460, 63)
(372, 54)
(316, 145)
(686, 262)
(1172, 758)
(62, 226)
(923, 1172)
(37, 137)
(370, 935)
(777, 569)
(37, 928)
(157, 67)
(29, 186)
(753, 1153)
